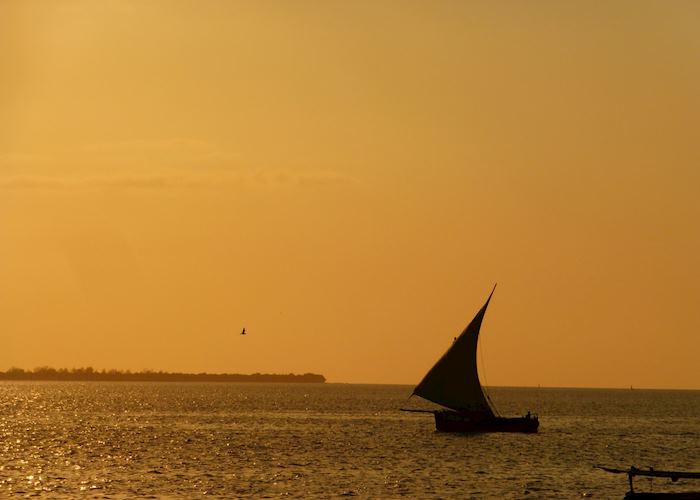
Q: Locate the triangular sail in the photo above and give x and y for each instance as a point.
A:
(454, 381)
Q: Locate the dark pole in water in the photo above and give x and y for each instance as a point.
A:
(629, 476)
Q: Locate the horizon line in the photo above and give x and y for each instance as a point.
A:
(621, 388)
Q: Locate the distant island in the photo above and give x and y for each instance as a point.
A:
(90, 374)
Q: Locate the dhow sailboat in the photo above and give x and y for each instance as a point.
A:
(453, 382)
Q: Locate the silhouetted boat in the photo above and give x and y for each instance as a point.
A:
(672, 475)
(453, 382)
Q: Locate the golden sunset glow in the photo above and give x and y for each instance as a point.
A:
(347, 181)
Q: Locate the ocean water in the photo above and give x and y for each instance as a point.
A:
(237, 440)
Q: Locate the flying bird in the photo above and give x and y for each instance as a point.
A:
(243, 332)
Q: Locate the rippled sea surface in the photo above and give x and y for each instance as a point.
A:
(221, 440)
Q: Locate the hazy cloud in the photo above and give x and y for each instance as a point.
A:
(31, 181)
(324, 178)
(199, 164)
(172, 144)
(125, 181)
(163, 181)
(166, 153)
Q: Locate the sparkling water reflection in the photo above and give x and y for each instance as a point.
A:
(126, 440)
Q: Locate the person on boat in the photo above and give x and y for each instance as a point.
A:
(528, 414)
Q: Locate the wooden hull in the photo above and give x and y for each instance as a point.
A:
(673, 475)
(452, 421)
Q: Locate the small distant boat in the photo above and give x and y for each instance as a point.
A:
(672, 475)
(453, 382)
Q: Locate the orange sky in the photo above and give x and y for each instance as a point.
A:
(347, 180)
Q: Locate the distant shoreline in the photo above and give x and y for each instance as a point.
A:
(90, 374)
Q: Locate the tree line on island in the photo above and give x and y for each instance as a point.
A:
(89, 373)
